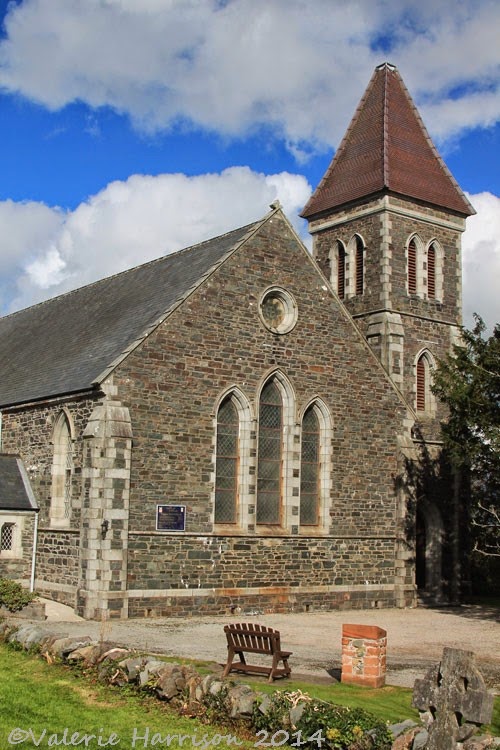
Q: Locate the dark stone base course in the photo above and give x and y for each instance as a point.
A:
(251, 605)
(63, 597)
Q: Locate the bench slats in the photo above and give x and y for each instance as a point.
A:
(257, 639)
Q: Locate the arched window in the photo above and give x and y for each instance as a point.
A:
(359, 281)
(270, 455)
(62, 472)
(227, 462)
(431, 272)
(7, 537)
(412, 267)
(424, 396)
(341, 269)
(310, 468)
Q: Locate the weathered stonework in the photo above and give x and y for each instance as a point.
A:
(148, 438)
(16, 563)
(29, 431)
(105, 511)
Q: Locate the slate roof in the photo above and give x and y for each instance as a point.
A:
(15, 487)
(68, 343)
(387, 147)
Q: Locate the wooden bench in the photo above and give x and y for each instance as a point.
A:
(255, 639)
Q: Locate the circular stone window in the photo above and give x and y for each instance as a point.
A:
(278, 310)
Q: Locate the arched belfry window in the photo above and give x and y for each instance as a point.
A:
(434, 287)
(62, 472)
(412, 266)
(227, 462)
(425, 401)
(359, 265)
(310, 468)
(341, 270)
(431, 272)
(270, 455)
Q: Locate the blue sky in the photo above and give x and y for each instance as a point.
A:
(131, 128)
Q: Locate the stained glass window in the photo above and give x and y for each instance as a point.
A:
(270, 454)
(226, 471)
(309, 468)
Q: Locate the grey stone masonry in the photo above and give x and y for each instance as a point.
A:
(105, 508)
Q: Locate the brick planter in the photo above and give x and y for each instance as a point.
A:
(364, 650)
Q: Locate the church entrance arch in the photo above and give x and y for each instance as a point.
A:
(428, 551)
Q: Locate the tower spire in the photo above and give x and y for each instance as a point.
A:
(387, 149)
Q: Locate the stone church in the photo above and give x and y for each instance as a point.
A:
(242, 425)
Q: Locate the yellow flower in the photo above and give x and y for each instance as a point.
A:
(357, 731)
(332, 734)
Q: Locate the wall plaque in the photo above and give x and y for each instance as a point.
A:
(170, 518)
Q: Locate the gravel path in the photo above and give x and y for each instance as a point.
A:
(415, 637)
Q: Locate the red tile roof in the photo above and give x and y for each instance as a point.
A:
(387, 147)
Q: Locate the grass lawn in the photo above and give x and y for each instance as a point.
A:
(35, 696)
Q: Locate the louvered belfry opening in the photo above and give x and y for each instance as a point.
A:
(421, 384)
(340, 270)
(359, 265)
(431, 272)
(226, 466)
(309, 468)
(412, 267)
(270, 455)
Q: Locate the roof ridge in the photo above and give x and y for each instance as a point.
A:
(430, 142)
(130, 270)
(385, 130)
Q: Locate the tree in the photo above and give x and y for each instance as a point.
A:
(468, 382)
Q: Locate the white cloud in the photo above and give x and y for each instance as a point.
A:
(481, 261)
(131, 222)
(291, 64)
(25, 227)
(45, 252)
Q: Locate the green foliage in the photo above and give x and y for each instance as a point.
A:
(13, 596)
(389, 704)
(314, 723)
(215, 706)
(468, 381)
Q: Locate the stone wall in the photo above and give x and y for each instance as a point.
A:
(214, 574)
(172, 384)
(58, 564)
(28, 431)
(385, 230)
(399, 326)
(150, 439)
(17, 564)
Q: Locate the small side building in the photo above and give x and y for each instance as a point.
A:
(18, 520)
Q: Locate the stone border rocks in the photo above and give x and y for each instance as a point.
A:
(180, 684)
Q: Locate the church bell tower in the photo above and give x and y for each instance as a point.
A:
(387, 220)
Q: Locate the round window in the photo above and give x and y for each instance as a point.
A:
(278, 310)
